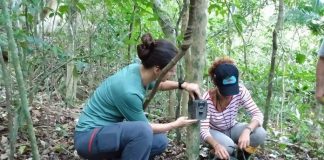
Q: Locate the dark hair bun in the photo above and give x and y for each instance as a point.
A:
(143, 50)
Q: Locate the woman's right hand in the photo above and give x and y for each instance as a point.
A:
(221, 152)
(183, 121)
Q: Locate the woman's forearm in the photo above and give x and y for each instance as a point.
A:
(162, 128)
(253, 125)
(210, 140)
(169, 85)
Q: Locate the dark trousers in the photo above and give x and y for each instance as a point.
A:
(124, 140)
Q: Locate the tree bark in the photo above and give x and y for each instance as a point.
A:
(187, 58)
(71, 73)
(273, 62)
(12, 116)
(164, 21)
(20, 80)
(183, 97)
(198, 53)
(130, 33)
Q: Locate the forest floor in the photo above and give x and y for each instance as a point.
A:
(54, 127)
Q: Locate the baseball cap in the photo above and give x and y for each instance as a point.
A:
(227, 79)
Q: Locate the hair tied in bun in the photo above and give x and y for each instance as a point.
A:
(143, 50)
(147, 40)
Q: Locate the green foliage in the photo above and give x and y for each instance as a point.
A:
(104, 36)
(308, 13)
(239, 20)
(300, 58)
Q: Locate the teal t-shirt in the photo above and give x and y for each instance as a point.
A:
(119, 97)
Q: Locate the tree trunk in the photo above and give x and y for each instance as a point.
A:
(182, 107)
(20, 80)
(198, 53)
(12, 115)
(229, 31)
(187, 58)
(131, 26)
(71, 72)
(273, 62)
(164, 21)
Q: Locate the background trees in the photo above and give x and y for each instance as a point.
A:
(85, 41)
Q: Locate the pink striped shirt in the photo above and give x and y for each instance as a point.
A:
(225, 120)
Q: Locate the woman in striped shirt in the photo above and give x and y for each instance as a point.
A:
(220, 129)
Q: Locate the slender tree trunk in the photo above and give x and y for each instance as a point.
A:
(230, 8)
(12, 116)
(131, 25)
(187, 58)
(283, 96)
(273, 62)
(164, 21)
(21, 83)
(198, 53)
(183, 96)
(229, 30)
(71, 73)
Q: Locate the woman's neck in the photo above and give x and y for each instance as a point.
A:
(147, 75)
(223, 102)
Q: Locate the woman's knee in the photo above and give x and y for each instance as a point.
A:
(143, 128)
(160, 142)
(224, 140)
(258, 136)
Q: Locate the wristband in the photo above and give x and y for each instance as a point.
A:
(180, 82)
(249, 128)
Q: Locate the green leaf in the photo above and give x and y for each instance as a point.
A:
(64, 9)
(239, 20)
(81, 6)
(30, 18)
(305, 87)
(211, 7)
(300, 58)
(22, 149)
(58, 148)
(51, 15)
(282, 146)
(75, 73)
(152, 19)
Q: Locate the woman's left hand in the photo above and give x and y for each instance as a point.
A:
(192, 88)
(244, 140)
(183, 121)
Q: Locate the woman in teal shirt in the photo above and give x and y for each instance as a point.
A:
(113, 125)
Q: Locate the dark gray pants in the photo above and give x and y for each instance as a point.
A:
(124, 140)
(230, 137)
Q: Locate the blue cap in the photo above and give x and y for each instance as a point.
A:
(227, 79)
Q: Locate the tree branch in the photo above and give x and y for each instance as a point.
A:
(187, 40)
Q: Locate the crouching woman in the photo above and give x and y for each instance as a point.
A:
(220, 129)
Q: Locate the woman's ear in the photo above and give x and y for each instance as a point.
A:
(156, 70)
